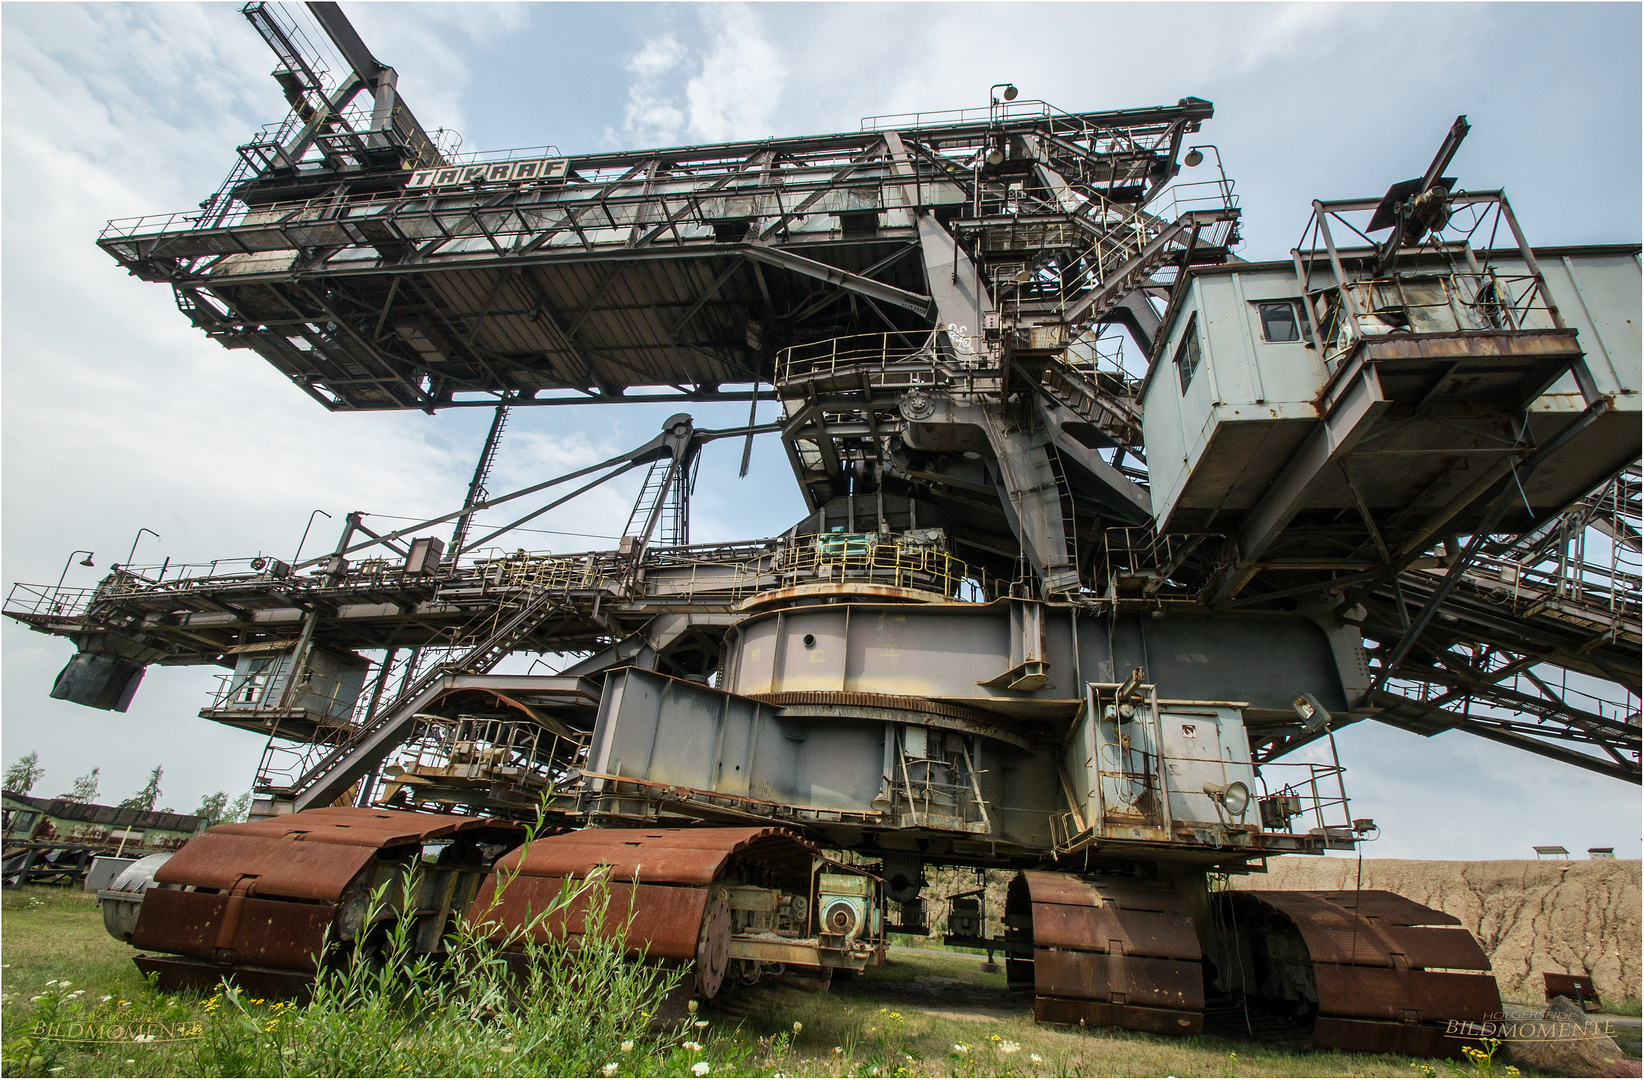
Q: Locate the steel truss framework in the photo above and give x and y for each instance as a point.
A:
(925, 297)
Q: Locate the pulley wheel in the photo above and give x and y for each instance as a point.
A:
(713, 944)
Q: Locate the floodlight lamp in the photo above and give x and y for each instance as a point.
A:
(995, 156)
(87, 560)
(1313, 714)
(1234, 798)
(1194, 157)
(1010, 92)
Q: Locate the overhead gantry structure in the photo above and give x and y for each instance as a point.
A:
(970, 320)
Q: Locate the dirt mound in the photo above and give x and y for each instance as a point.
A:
(1530, 916)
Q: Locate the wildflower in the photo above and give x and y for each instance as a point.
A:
(896, 1016)
(702, 1068)
(105, 999)
(798, 1027)
(52, 982)
(610, 1068)
(131, 1061)
(35, 998)
(145, 1037)
(627, 1046)
(993, 1038)
(691, 1006)
(693, 1047)
(64, 985)
(839, 1049)
(1036, 1059)
(960, 1048)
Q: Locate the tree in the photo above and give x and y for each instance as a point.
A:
(214, 808)
(148, 795)
(86, 787)
(241, 808)
(24, 773)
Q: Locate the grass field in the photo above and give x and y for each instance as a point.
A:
(924, 1014)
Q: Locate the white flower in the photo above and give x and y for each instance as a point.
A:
(53, 982)
(131, 1061)
(702, 1023)
(143, 1038)
(35, 998)
(960, 1048)
(64, 985)
(798, 1027)
(1009, 1047)
(610, 1068)
(702, 1068)
(627, 1046)
(693, 1047)
(106, 998)
(839, 1049)
(1036, 1059)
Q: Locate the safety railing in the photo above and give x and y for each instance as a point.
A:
(1431, 304)
(891, 360)
(1303, 796)
(1365, 295)
(44, 600)
(841, 558)
(1140, 564)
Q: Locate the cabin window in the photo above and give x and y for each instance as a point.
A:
(1282, 320)
(1187, 353)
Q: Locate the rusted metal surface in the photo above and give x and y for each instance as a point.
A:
(1575, 987)
(713, 943)
(1116, 978)
(1365, 1036)
(270, 894)
(279, 866)
(655, 921)
(1408, 996)
(360, 827)
(674, 856)
(661, 894)
(233, 929)
(1368, 971)
(1113, 951)
(1387, 930)
(175, 973)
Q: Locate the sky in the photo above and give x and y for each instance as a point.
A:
(118, 416)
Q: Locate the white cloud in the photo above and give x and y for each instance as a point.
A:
(732, 93)
(739, 87)
(651, 115)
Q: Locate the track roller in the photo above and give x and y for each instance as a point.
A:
(1117, 951)
(727, 904)
(1375, 972)
(259, 900)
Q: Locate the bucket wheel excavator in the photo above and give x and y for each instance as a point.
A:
(1106, 533)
